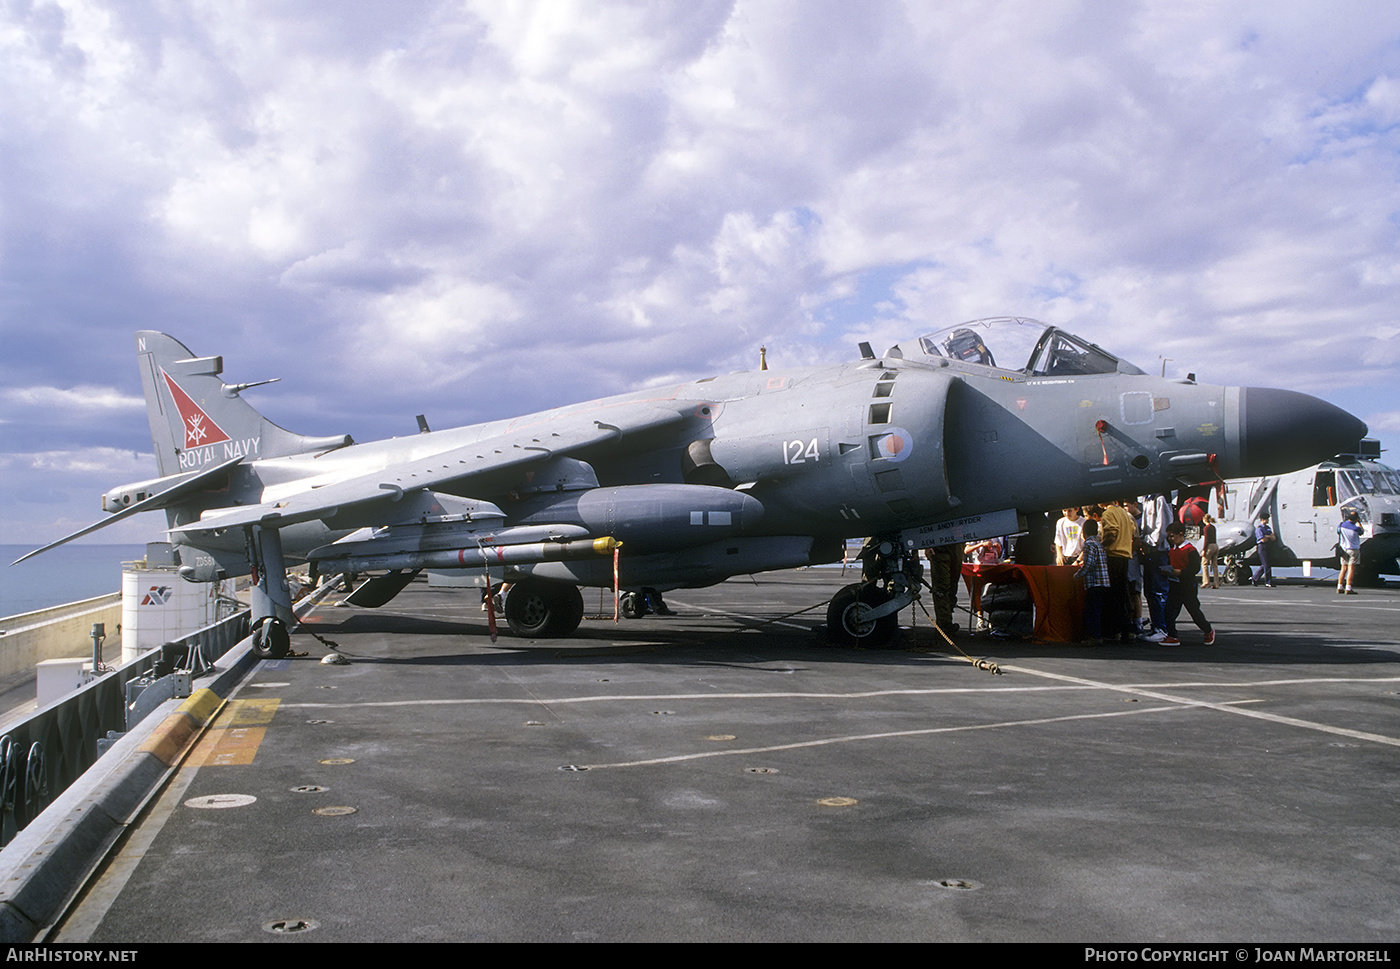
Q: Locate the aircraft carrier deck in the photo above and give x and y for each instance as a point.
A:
(685, 779)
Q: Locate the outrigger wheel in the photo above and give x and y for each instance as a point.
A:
(270, 638)
(633, 605)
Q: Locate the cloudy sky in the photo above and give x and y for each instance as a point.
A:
(477, 209)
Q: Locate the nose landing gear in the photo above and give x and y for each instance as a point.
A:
(867, 613)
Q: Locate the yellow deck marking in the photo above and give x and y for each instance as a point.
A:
(247, 713)
(235, 736)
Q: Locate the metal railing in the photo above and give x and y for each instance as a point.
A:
(42, 754)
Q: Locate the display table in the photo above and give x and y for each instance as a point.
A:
(1057, 594)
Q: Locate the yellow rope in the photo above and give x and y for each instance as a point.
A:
(981, 664)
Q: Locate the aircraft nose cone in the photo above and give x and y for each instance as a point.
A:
(1281, 430)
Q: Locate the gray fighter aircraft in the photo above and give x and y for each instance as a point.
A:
(943, 439)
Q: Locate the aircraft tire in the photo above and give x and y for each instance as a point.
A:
(271, 639)
(571, 611)
(844, 622)
(633, 605)
(542, 610)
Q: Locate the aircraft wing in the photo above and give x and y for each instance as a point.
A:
(369, 499)
(177, 488)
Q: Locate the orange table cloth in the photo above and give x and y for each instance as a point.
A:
(1057, 594)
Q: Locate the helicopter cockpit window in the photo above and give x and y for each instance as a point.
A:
(1346, 486)
(1383, 481)
(1324, 489)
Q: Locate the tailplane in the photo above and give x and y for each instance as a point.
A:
(197, 420)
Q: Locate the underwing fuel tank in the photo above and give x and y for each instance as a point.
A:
(645, 518)
(555, 527)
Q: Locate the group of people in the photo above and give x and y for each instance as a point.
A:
(1130, 551)
(1349, 536)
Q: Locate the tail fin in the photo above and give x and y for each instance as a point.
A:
(198, 420)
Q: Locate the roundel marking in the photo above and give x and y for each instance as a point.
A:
(895, 445)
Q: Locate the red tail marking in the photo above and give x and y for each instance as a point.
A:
(200, 428)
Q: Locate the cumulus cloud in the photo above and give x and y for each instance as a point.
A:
(48, 494)
(83, 398)
(1384, 423)
(477, 209)
(87, 462)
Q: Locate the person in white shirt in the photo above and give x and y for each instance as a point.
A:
(1069, 537)
(1349, 535)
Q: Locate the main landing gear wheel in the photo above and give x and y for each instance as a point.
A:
(846, 621)
(541, 610)
(270, 638)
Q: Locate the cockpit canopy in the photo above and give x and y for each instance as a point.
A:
(1013, 343)
(1366, 478)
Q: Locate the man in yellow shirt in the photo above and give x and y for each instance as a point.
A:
(1118, 535)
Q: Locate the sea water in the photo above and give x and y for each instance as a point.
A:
(64, 574)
